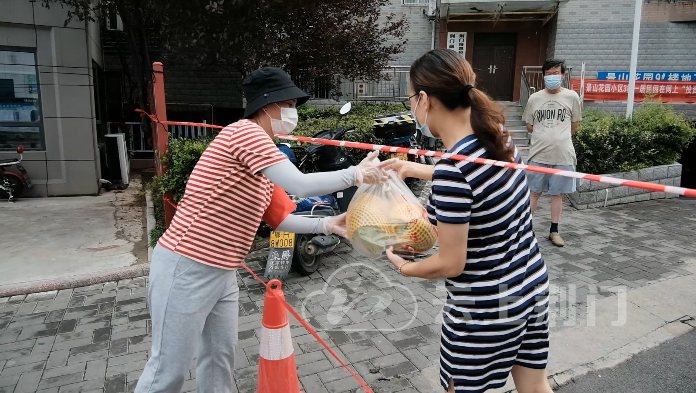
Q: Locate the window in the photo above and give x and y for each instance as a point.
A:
(20, 113)
(457, 41)
(416, 2)
(114, 22)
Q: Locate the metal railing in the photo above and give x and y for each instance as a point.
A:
(316, 87)
(532, 80)
(394, 87)
(138, 142)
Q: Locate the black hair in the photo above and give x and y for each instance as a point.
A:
(553, 63)
(445, 75)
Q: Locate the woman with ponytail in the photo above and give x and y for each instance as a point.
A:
(495, 321)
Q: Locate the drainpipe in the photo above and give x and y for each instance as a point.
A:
(432, 39)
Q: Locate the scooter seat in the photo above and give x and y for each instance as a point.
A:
(8, 162)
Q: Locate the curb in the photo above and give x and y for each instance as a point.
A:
(76, 281)
(151, 223)
(666, 332)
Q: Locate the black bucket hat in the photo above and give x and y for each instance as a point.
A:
(269, 85)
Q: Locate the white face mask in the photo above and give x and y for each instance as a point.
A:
(286, 124)
(423, 128)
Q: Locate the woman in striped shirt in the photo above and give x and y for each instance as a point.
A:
(495, 320)
(239, 180)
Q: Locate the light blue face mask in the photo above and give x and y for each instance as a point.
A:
(423, 128)
(553, 82)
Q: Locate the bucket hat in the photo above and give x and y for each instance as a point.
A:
(269, 85)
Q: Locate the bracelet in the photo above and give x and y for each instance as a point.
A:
(402, 265)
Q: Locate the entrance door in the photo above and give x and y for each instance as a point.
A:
(494, 63)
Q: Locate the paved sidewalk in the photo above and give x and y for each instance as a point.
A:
(60, 238)
(664, 369)
(96, 339)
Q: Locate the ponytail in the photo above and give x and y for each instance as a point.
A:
(487, 121)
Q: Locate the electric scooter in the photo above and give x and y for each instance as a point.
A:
(13, 184)
(318, 158)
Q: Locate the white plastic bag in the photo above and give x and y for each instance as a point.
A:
(385, 215)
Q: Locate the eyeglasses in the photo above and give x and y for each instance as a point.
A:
(407, 102)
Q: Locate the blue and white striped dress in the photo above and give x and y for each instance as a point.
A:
(496, 314)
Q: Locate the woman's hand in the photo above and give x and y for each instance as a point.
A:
(371, 172)
(336, 225)
(411, 169)
(396, 260)
(403, 168)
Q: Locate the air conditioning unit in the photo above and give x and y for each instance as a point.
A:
(432, 9)
(117, 163)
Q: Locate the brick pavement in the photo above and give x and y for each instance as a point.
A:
(97, 338)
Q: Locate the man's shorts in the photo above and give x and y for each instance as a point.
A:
(550, 184)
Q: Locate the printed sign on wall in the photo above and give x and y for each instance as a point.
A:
(617, 90)
(671, 76)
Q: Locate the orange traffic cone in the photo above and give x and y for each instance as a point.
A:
(277, 370)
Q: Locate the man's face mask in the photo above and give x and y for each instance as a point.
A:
(553, 82)
(286, 124)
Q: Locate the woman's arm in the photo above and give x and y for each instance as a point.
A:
(288, 177)
(450, 205)
(325, 225)
(450, 259)
(412, 169)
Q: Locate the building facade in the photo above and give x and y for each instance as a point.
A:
(47, 97)
(62, 88)
(505, 39)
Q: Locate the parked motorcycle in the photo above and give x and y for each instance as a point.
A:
(13, 184)
(319, 158)
(399, 129)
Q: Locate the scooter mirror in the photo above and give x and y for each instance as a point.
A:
(345, 108)
(20, 149)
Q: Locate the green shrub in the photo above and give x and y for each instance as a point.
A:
(361, 115)
(181, 158)
(655, 135)
(183, 154)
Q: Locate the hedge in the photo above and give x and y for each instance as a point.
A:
(655, 135)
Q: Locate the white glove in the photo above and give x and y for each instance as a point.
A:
(335, 224)
(370, 171)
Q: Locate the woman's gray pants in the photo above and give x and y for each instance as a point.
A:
(193, 306)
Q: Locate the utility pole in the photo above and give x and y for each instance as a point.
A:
(634, 59)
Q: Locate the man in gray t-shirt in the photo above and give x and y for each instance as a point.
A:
(552, 117)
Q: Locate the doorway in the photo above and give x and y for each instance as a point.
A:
(494, 64)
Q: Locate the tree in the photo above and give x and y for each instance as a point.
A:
(319, 38)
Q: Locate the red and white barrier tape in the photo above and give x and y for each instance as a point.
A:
(393, 149)
(578, 175)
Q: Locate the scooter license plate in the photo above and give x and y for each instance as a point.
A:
(400, 156)
(282, 240)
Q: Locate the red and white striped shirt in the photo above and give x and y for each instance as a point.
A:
(226, 197)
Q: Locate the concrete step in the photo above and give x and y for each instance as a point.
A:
(521, 142)
(516, 126)
(519, 133)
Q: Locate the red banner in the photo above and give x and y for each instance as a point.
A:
(615, 90)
